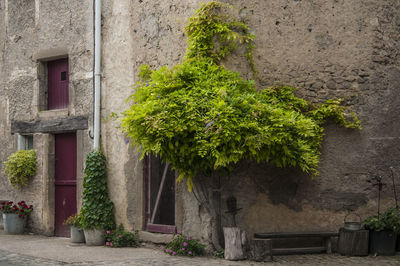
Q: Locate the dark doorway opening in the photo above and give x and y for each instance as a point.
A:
(160, 196)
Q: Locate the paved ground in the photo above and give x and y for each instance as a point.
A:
(40, 250)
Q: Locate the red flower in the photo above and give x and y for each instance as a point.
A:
(21, 215)
(10, 202)
(30, 206)
(22, 202)
(3, 203)
(21, 210)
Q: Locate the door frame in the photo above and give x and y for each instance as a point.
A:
(47, 154)
(151, 227)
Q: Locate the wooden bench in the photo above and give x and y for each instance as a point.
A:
(326, 236)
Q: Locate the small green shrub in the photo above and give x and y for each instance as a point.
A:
(389, 220)
(184, 246)
(219, 253)
(97, 209)
(120, 238)
(20, 166)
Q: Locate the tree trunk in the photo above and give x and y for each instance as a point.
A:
(235, 243)
(260, 250)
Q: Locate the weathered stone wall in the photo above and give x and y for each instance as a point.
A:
(31, 32)
(328, 49)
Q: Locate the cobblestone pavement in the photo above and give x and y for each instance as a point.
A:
(29, 249)
(9, 258)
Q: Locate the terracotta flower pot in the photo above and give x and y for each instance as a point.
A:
(14, 225)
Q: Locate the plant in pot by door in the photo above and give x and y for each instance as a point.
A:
(96, 214)
(383, 232)
(77, 235)
(15, 216)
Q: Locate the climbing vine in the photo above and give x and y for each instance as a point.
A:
(200, 116)
(97, 209)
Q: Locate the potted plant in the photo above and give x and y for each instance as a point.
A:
(383, 232)
(20, 166)
(15, 216)
(96, 214)
(77, 235)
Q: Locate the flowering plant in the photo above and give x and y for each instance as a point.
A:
(121, 238)
(184, 246)
(20, 208)
(72, 220)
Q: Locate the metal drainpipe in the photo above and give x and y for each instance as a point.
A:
(97, 73)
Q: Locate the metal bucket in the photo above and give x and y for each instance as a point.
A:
(352, 225)
(13, 225)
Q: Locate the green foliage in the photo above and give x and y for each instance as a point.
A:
(184, 246)
(200, 116)
(211, 34)
(73, 220)
(20, 166)
(120, 238)
(219, 253)
(389, 220)
(97, 208)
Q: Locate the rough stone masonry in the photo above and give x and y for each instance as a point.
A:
(325, 48)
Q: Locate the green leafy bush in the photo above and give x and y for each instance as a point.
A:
(97, 209)
(184, 246)
(20, 166)
(389, 220)
(121, 238)
(202, 117)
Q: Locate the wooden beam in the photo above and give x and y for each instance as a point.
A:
(59, 125)
(307, 250)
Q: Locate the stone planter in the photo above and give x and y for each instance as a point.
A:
(77, 235)
(94, 237)
(13, 225)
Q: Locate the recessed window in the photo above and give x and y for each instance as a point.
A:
(63, 75)
(25, 142)
(57, 84)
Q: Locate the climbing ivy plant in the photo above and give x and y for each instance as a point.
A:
(200, 116)
(97, 209)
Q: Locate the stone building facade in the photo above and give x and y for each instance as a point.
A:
(326, 48)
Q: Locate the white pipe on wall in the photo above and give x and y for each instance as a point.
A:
(97, 73)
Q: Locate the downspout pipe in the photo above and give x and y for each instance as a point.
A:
(97, 73)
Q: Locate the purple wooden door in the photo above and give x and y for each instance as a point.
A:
(65, 181)
(58, 80)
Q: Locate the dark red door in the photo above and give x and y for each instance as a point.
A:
(65, 181)
(58, 80)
